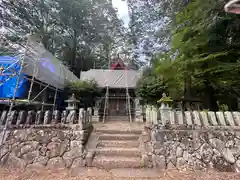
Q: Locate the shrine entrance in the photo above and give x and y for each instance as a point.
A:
(118, 107)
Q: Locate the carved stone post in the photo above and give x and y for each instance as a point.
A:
(22, 116)
(96, 116)
(81, 118)
(56, 117)
(138, 111)
(81, 141)
(72, 117)
(39, 117)
(154, 115)
(89, 110)
(30, 118)
(64, 117)
(47, 117)
(12, 118)
(148, 115)
(3, 117)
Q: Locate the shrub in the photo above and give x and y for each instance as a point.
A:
(85, 91)
(150, 89)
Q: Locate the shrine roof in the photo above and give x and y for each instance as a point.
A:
(112, 78)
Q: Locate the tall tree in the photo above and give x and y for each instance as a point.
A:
(151, 24)
(76, 31)
(204, 58)
(38, 16)
(206, 40)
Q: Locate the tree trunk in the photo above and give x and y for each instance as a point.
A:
(187, 86)
(73, 51)
(210, 96)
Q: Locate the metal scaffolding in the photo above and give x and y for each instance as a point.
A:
(37, 66)
(128, 103)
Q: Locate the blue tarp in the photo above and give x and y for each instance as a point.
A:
(7, 84)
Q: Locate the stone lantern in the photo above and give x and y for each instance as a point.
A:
(72, 103)
(165, 102)
(165, 109)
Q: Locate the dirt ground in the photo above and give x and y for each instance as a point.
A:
(117, 174)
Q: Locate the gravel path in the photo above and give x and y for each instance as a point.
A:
(116, 174)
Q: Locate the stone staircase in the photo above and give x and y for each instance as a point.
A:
(117, 147)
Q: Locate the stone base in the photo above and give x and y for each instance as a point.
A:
(89, 158)
(95, 118)
(139, 120)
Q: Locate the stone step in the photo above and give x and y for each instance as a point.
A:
(119, 137)
(116, 131)
(126, 144)
(112, 162)
(113, 151)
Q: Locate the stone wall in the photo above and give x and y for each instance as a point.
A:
(54, 147)
(38, 139)
(193, 140)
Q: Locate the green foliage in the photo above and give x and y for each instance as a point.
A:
(223, 107)
(85, 91)
(6, 48)
(207, 43)
(150, 88)
(171, 73)
(5, 52)
(203, 58)
(164, 76)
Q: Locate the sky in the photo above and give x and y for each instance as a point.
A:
(122, 8)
